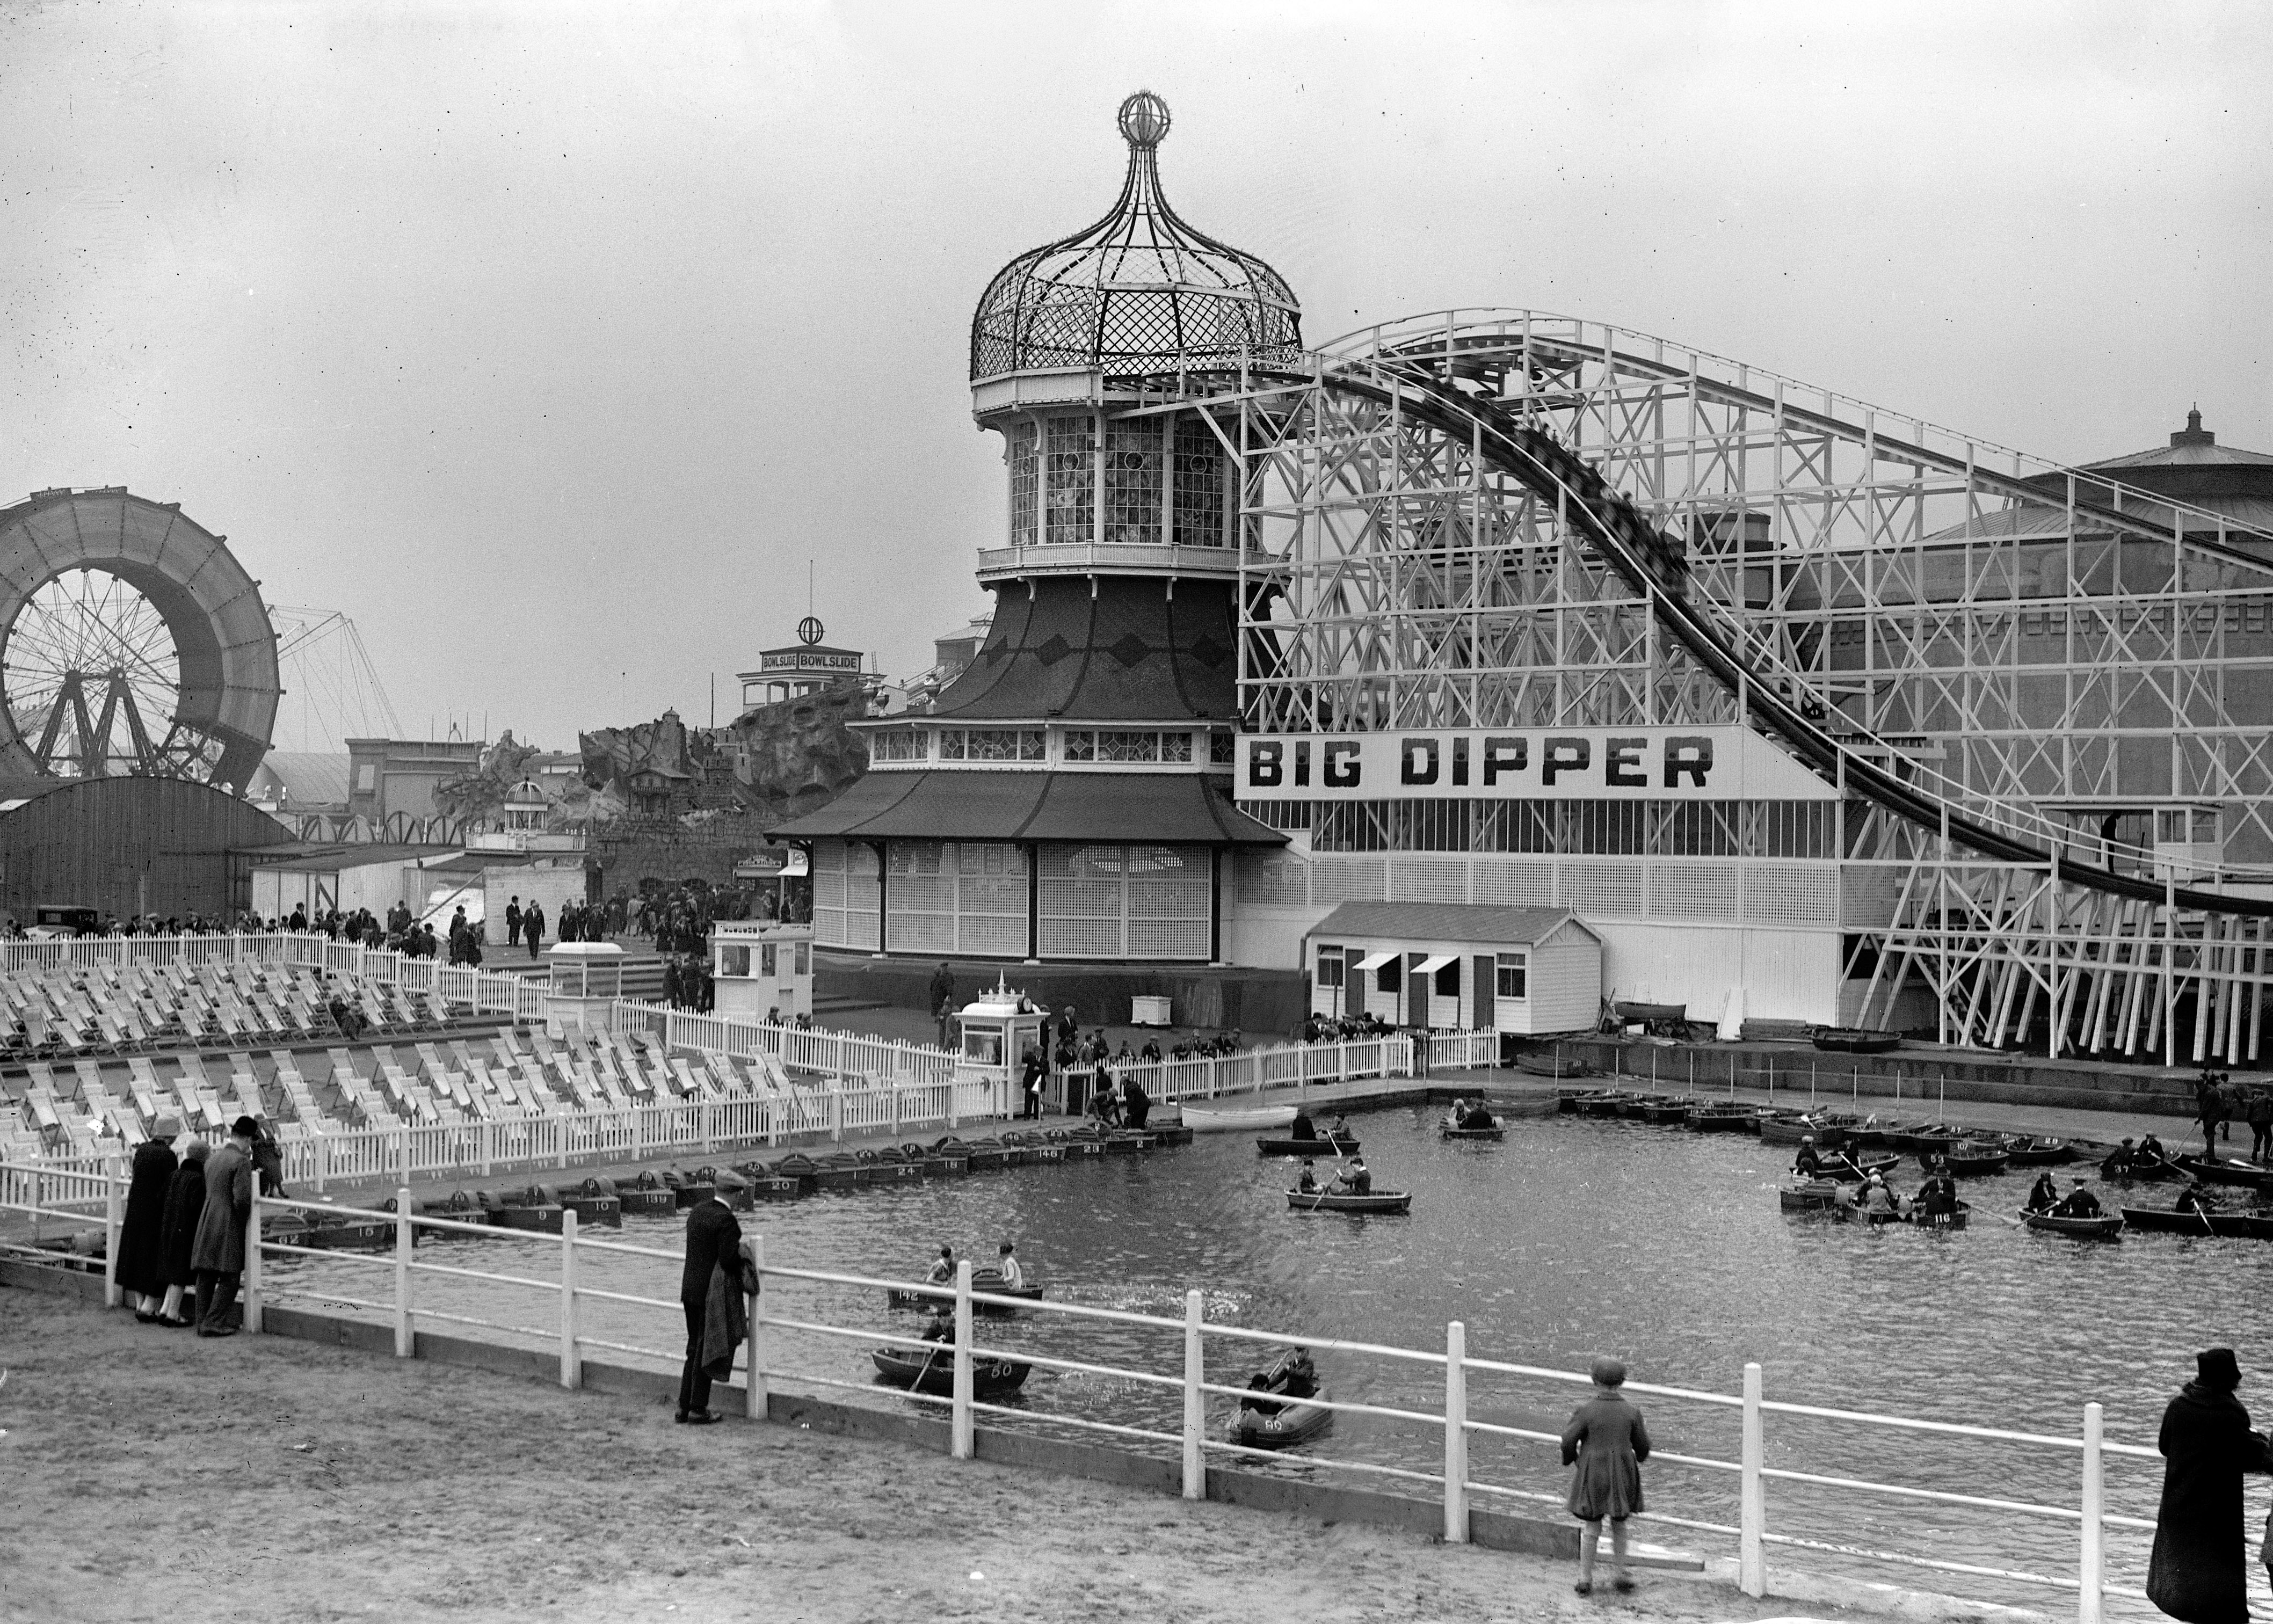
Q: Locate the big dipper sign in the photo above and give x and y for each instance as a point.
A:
(1717, 763)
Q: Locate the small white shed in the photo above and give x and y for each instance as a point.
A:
(1529, 971)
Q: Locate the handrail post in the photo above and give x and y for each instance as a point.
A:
(1456, 1433)
(1195, 1401)
(405, 1345)
(1752, 1512)
(2090, 1575)
(754, 1388)
(252, 1262)
(960, 1440)
(572, 1366)
(113, 1217)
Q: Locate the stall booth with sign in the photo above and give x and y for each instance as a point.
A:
(587, 979)
(760, 967)
(996, 1031)
(1456, 965)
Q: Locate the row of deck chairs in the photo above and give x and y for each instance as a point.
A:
(89, 1107)
(62, 1011)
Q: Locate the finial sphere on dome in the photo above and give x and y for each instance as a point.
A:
(1144, 120)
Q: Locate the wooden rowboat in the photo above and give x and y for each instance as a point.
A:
(987, 1280)
(1237, 1120)
(1380, 1200)
(2102, 1227)
(1821, 1195)
(1493, 1135)
(1329, 1144)
(1553, 1065)
(1856, 1040)
(2035, 1152)
(934, 1372)
(2225, 1171)
(2229, 1225)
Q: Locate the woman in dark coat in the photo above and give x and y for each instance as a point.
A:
(139, 1273)
(2200, 1569)
(1608, 1443)
(178, 1232)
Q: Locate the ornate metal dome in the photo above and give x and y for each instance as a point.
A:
(1138, 293)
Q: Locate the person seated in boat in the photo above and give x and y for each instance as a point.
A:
(2119, 1162)
(1807, 1165)
(1476, 1114)
(942, 1267)
(940, 1326)
(2196, 1198)
(2150, 1151)
(2044, 1196)
(1304, 1128)
(1340, 1129)
(1878, 1200)
(1308, 1183)
(1013, 1278)
(1937, 1197)
(2077, 1203)
(1354, 1179)
(1298, 1378)
(1257, 1396)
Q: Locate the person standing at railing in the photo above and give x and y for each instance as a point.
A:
(141, 1253)
(1608, 1443)
(186, 1203)
(220, 1253)
(2200, 1569)
(714, 1240)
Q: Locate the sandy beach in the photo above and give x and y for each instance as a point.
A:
(149, 1475)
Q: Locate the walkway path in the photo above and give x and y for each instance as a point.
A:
(194, 1481)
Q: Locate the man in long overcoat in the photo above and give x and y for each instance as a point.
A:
(512, 923)
(714, 1239)
(532, 927)
(141, 1275)
(2200, 1569)
(219, 1256)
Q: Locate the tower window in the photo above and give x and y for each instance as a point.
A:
(1198, 519)
(1069, 458)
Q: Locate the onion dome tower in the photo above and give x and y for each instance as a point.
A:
(1086, 750)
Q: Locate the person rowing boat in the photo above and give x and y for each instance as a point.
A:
(1937, 1197)
(2078, 1203)
(942, 1268)
(1355, 1178)
(2196, 1198)
(1879, 1202)
(2119, 1162)
(1473, 1114)
(1807, 1165)
(2044, 1196)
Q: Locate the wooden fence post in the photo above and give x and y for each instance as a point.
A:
(572, 1364)
(1456, 1433)
(1751, 1503)
(962, 1438)
(252, 1262)
(114, 1215)
(1195, 1401)
(405, 1343)
(754, 1388)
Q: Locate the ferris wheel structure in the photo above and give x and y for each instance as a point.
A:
(133, 643)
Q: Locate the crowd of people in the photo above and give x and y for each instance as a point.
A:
(181, 1239)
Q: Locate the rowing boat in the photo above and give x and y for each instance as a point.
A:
(1828, 1133)
(1967, 1161)
(934, 1372)
(2102, 1227)
(1493, 1134)
(1553, 1065)
(2231, 1225)
(985, 1280)
(1821, 1196)
(1720, 1119)
(1856, 1040)
(2223, 1172)
(1237, 1120)
(1380, 1200)
(2036, 1152)
(1854, 1169)
(1330, 1144)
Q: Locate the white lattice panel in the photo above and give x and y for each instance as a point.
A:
(828, 926)
(1184, 896)
(1791, 894)
(1693, 891)
(1496, 880)
(860, 931)
(1080, 938)
(921, 933)
(1348, 879)
(1611, 889)
(1429, 879)
(991, 936)
(1272, 878)
(1868, 893)
(1167, 939)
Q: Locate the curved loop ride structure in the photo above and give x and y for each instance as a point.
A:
(1508, 519)
(131, 642)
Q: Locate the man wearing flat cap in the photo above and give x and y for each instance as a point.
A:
(141, 1273)
(2200, 1569)
(713, 1244)
(219, 1257)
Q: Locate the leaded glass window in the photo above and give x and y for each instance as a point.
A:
(1025, 473)
(990, 744)
(1132, 480)
(1069, 463)
(1199, 517)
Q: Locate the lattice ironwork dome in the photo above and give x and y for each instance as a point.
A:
(1139, 293)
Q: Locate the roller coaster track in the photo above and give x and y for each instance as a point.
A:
(1655, 565)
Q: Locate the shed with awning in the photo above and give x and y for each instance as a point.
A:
(1469, 965)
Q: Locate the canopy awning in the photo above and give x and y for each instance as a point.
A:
(1435, 961)
(1374, 961)
(964, 804)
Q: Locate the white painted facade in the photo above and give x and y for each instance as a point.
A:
(1550, 985)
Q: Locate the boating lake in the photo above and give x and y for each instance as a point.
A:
(1574, 1237)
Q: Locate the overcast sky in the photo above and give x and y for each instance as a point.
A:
(550, 341)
